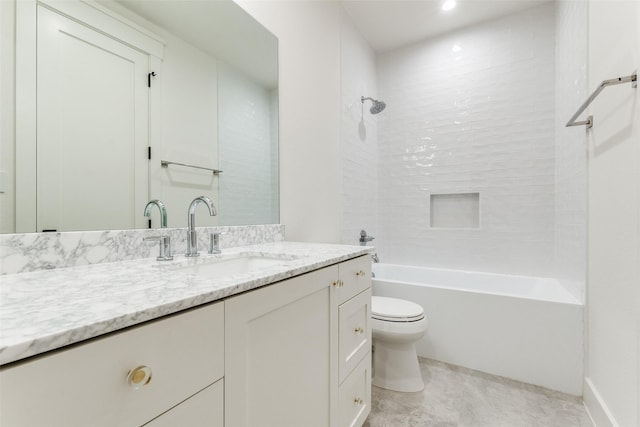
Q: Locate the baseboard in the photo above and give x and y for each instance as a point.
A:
(597, 409)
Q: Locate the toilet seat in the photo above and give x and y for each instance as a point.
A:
(395, 310)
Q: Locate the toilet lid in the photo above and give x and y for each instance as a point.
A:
(395, 310)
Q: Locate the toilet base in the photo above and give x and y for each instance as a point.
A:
(396, 367)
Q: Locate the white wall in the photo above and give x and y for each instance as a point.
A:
(471, 111)
(570, 147)
(359, 137)
(309, 83)
(612, 389)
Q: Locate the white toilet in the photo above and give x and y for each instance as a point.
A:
(396, 326)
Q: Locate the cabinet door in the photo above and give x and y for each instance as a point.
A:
(277, 353)
(205, 409)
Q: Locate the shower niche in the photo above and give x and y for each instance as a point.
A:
(454, 210)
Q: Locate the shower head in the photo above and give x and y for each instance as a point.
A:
(377, 106)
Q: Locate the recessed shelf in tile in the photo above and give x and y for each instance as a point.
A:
(455, 210)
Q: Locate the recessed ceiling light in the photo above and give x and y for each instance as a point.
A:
(448, 5)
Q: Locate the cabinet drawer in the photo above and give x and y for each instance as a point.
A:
(354, 395)
(355, 277)
(354, 320)
(206, 405)
(87, 385)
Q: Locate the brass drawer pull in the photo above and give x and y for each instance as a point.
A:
(360, 273)
(358, 330)
(139, 377)
(338, 283)
(358, 401)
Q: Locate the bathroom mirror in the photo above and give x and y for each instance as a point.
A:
(103, 146)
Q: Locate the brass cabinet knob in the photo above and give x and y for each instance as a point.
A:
(360, 273)
(358, 330)
(338, 284)
(358, 401)
(139, 377)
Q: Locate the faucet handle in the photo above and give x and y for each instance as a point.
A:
(164, 253)
(214, 242)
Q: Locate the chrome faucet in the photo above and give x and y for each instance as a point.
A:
(192, 237)
(364, 238)
(161, 208)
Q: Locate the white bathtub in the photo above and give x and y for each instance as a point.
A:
(526, 328)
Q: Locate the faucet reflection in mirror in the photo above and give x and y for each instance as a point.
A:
(164, 241)
(192, 236)
(161, 208)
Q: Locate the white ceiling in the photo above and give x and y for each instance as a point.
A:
(389, 24)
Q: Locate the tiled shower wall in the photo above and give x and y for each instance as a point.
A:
(359, 137)
(571, 143)
(247, 150)
(469, 112)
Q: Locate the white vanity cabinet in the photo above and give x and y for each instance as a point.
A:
(298, 353)
(94, 384)
(290, 354)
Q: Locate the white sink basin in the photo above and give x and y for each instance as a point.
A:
(216, 268)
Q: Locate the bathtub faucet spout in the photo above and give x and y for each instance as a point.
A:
(364, 238)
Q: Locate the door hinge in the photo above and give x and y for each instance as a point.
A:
(149, 153)
(151, 74)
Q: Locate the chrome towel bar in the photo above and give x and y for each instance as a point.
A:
(166, 163)
(633, 78)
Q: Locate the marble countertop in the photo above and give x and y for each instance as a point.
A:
(45, 310)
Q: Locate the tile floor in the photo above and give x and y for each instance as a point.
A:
(460, 397)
